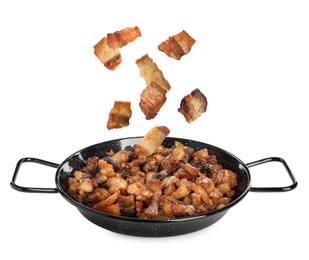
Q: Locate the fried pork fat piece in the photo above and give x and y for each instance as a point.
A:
(109, 57)
(120, 115)
(151, 141)
(193, 105)
(178, 45)
(121, 38)
(108, 48)
(153, 98)
(151, 73)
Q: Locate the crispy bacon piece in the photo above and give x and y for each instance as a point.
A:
(110, 58)
(166, 203)
(226, 181)
(121, 38)
(108, 48)
(152, 99)
(153, 210)
(151, 141)
(107, 202)
(120, 115)
(127, 205)
(113, 209)
(151, 73)
(193, 105)
(178, 45)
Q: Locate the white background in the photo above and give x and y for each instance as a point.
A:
(251, 60)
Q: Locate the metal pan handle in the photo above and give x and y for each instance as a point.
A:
(29, 189)
(274, 189)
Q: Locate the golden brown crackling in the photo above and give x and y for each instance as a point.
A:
(152, 140)
(177, 45)
(107, 49)
(109, 57)
(193, 105)
(121, 38)
(153, 98)
(151, 73)
(120, 115)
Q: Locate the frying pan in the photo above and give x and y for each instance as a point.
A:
(150, 227)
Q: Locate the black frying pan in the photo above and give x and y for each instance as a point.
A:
(150, 227)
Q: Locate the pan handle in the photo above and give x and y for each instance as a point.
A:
(29, 189)
(274, 189)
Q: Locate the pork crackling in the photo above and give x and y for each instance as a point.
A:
(151, 181)
(177, 45)
(108, 48)
(120, 115)
(193, 105)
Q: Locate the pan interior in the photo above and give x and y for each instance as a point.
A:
(76, 161)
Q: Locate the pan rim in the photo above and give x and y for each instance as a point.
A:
(82, 207)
